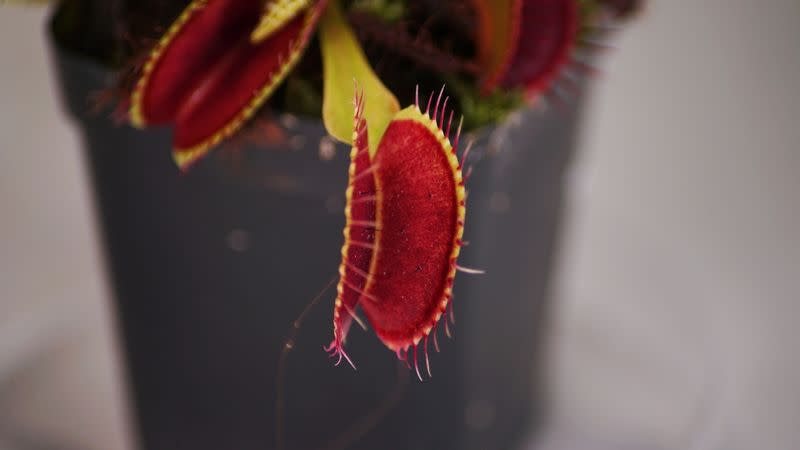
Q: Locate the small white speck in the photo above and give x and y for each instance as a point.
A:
(515, 119)
(327, 149)
(238, 240)
(288, 121)
(499, 138)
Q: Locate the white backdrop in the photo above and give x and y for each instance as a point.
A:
(679, 275)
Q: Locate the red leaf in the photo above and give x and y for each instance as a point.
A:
(535, 46)
(360, 231)
(233, 87)
(497, 38)
(548, 34)
(197, 40)
(207, 77)
(419, 222)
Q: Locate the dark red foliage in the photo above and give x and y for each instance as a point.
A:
(230, 83)
(206, 34)
(405, 220)
(207, 77)
(547, 35)
(360, 232)
(418, 227)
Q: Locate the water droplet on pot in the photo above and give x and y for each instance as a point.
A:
(238, 240)
(288, 121)
(327, 149)
(515, 119)
(498, 139)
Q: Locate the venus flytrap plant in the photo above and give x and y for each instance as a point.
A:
(218, 63)
(406, 206)
(222, 59)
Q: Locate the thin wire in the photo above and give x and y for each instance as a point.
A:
(280, 406)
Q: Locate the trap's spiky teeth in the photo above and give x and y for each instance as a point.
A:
(360, 227)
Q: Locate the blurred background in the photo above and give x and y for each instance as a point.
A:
(679, 272)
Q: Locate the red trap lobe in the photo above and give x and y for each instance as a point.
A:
(548, 33)
(206, 76)
(359, 234)
(405, 220)
(526, 43)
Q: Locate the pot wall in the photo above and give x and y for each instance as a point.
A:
(211, 268)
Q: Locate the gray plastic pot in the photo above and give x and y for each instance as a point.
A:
(211, 268)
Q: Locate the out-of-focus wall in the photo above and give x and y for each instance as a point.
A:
(678, 278)
(58, 384)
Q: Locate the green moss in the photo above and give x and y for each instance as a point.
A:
(390, 11)
(481, 110)
(302, 97)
